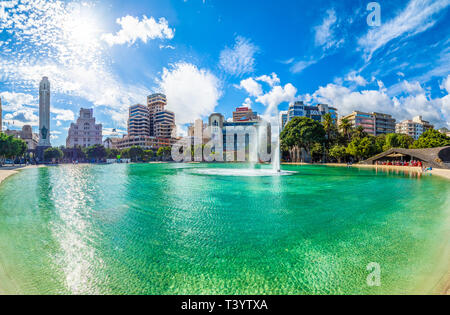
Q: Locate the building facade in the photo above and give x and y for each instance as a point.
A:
(138, 121)
(244, 114)
(149, 127)
(145, 142)
(27, 135)
(85, 132)
(299, 109)
(155, 103)
(164, 124)
(374, 124)
(283, 119)
(228, 131)
(414, 128)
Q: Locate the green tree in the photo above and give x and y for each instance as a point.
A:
(112, 153)
(338, 152)
(164, 153)
(395, 140)
(148, 155)
(359, 132)
(53, 154)
(301, 132)
(11, 147)
(317, 151)
(135, 153)
(380, 142)
(362, 148)
(431, 139)
(96, 152)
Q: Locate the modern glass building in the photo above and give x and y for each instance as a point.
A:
(299, 109)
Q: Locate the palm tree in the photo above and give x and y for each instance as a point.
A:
(328, 124)
(346, 127)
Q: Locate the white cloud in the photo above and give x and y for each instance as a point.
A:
(191, 92)
(166, 47)
(251, 87)
(446, 84)
(278, 95)
(12, 101)
(272, 98)
(271, 80)
(413, 87)
(132, 29)
(61, 40)
(63, 114)
(358, 79)
(21, 117)
(324, 36)
(247, 103)
(299, 66)
(417, 17)
(239, 59)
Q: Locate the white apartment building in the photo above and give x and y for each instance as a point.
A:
(414, 128)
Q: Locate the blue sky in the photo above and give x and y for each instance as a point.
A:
(215, 55)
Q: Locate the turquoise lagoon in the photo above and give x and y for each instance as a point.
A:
(174, 229)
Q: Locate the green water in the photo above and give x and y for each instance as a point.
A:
(163, 229)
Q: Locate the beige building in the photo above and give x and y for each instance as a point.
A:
(374, 124)
(414, 128)
(85, 132)
(199, 130)
(138, 121)
(27, 135)
(145, 142)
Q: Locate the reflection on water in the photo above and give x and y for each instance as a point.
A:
(174, 229)
(73, 203)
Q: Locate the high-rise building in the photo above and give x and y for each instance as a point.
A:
(85, 132)
(414, 128)
(299, 109)
(164, 124)
(283, 119)
(138, 121)
(155, 103)
(384, 124)
(374, 124)
(244, 114)
(44, 113)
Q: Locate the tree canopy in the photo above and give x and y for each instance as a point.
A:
(431, 139)
(11, 147)
(53, 154)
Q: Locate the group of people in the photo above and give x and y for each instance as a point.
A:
(412, 163)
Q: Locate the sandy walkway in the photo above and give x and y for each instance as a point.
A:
(5, 172)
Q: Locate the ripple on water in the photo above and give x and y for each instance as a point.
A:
(156, 229)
